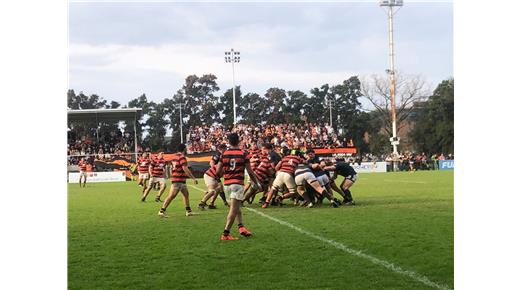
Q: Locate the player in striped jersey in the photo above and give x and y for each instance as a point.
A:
(264, 171)
(83, 171)
(179, 172)
(254, 159)
(212, 181)
(142, 168)
(232, 165)
(284, 176)
(157, 171)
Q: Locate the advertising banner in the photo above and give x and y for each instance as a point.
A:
(446, 164)
(113, 176)
(369, 167)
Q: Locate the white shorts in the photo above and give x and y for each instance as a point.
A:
(300, 179)
(144, 176)
(83, 173)
(210, 182)
(284, 178)
(235, 191)
(323, 179)
(161, 180)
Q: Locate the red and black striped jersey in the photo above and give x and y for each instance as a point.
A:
(254, 158)
(212, 171)
(82, 165)
(289, 163)
(142, 164)
(177, 173)
(233, 164)
(262, 170)
(158, 167)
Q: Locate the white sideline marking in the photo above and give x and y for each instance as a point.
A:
(394, 268)
(405, 181)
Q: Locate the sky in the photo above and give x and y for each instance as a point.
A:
(122, 50)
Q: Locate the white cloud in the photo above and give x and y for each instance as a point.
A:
(183, 60)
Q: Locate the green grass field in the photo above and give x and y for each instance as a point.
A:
(116, 241)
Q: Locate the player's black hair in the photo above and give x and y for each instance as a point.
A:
(181, 147)
(233, 139)
(309, 151)
(222, 147)
(267, 146)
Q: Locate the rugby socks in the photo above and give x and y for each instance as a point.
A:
(348, 195)
(226, 233)
(326, 194)
(240, 225)
(188, 209)
(162, 210)
(223, 196)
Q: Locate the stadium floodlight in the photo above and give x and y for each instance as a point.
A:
(390, 4)
(329, 103)
(179, 106)
(233, 57)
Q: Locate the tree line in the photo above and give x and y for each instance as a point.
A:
(202, 104)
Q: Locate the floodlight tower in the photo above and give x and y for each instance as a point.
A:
(329, 102)
(233, 57)
(390, 4)
(179, 106)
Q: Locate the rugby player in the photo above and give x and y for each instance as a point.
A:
(303, 175)
(232, 165)
(345, 170)
(212, 181)
(179, 172)
(142, 168)
(157, 171)
(83, 171)
(322, 176)
(254, 160)
(264, 171)
(284, 176)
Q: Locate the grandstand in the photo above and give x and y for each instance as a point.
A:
(104, 153)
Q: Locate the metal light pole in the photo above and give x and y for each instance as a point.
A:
(329, 101)
(233, 57)
(179, 106)
(391, 4)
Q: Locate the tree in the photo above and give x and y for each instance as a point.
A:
(409, 89)
(113, 105)
(157, 124)
(199, 100)
(347, 108)
(296, 106)
(433, 131)
(81, 101)
(225, 106)
(140, 102)
(318, 110)
(275, 110)
(253, 108)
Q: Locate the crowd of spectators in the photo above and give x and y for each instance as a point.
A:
(308, 135)
(102, 147)
(406, 161)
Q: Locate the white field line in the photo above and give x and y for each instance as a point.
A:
(394, 268)
(405, 181)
